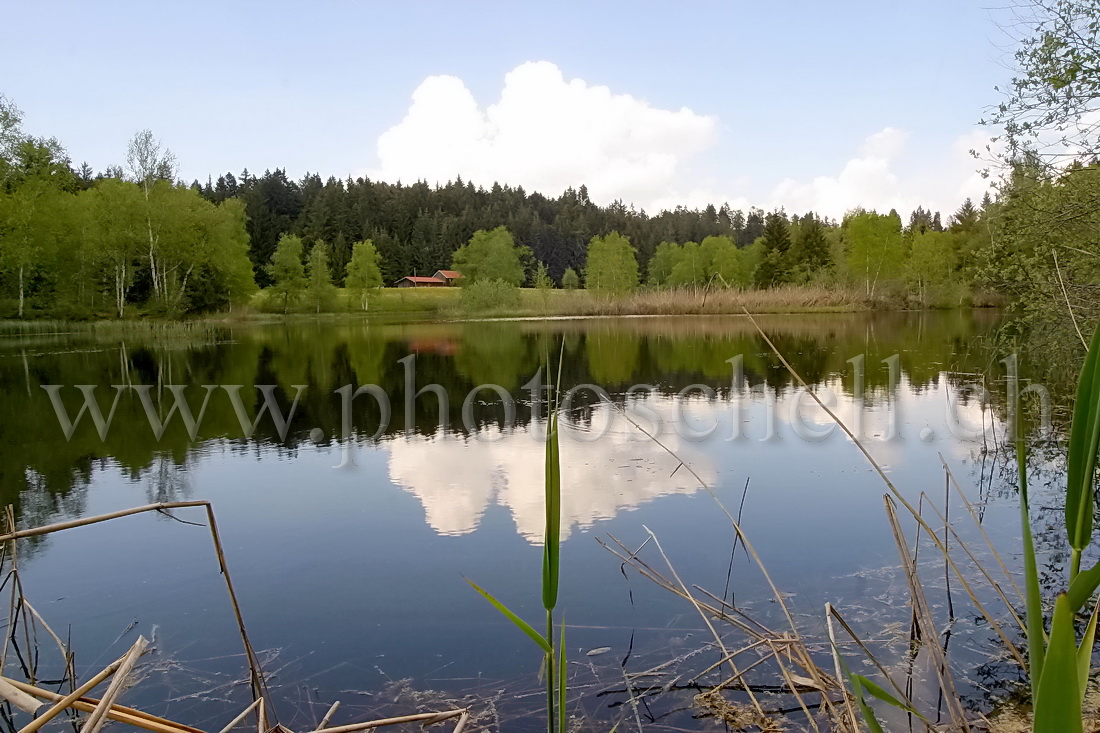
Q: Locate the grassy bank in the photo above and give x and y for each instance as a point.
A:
(405, 304)
(448, 302)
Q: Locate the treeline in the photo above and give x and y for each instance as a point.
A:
(417, 229)
(74, 243)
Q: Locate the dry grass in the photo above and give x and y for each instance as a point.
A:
(787, 299)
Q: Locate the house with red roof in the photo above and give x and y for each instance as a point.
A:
(441, 279)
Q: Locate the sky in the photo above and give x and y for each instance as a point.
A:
(801, 105)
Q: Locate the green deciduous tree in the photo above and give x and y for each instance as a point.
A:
(490, 255)
(542, 278)
(153, 168)
(660, 265)
(286, 270)
(930, 268)
(570, 280)
(319, 288)
(116, 233)
(875, 254)
(1054, 94)
(612, 266)
(364, 275)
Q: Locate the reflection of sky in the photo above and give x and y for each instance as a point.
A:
(609, 466)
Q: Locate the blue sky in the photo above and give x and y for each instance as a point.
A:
(799, 104)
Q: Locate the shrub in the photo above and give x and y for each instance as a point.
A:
(488, 295)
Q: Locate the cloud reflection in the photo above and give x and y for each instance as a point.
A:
(458, 478)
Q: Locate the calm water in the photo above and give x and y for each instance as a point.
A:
(351, 577)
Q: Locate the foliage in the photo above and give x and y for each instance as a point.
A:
(612, 266)
(1051, 103)
(542, 278)
(287, 271)
(320, 292)
(1059, 666)
(570, 280)
(775, 268)
(363, 272)
(1045, 253)
(930, 267)
(874, 250)
(483, 296)
(661, 264)
(489, 255)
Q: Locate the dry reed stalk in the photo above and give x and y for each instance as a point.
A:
(328, 716)
(98, 717)
(18, 698)
(863, 647)
(897, 495)
(424, 719)
(981, 568)
(851, 719)
(462, 720)
(754, 645)
(706, 620)
(118, 713)
(819, 682)
(15, 608)
(733, 522)
(793, 687)
(241, 716)
(924, 616)
(73, 696)
(258, 683)
(70, 672)
(981, 528)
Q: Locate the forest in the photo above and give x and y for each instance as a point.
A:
(134, 240)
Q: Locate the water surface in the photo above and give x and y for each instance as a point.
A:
(349, 536)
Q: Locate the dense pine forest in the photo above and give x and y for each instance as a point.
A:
(133, 239)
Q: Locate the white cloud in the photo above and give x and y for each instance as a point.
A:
(545, 133)
(874, 179)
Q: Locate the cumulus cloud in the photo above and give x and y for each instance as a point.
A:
(884, 176)
(545, 133)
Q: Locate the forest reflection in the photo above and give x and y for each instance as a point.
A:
(454, 473)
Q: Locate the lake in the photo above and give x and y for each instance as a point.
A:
(349, 532)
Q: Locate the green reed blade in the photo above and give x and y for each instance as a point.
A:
(1083, 586)
(1083, 439)
(857, 692)
(519, 623)
(551, 548)
(1084, 652)
(1033, 595)
(562, 679)
(1058, 700)
(885, 696)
